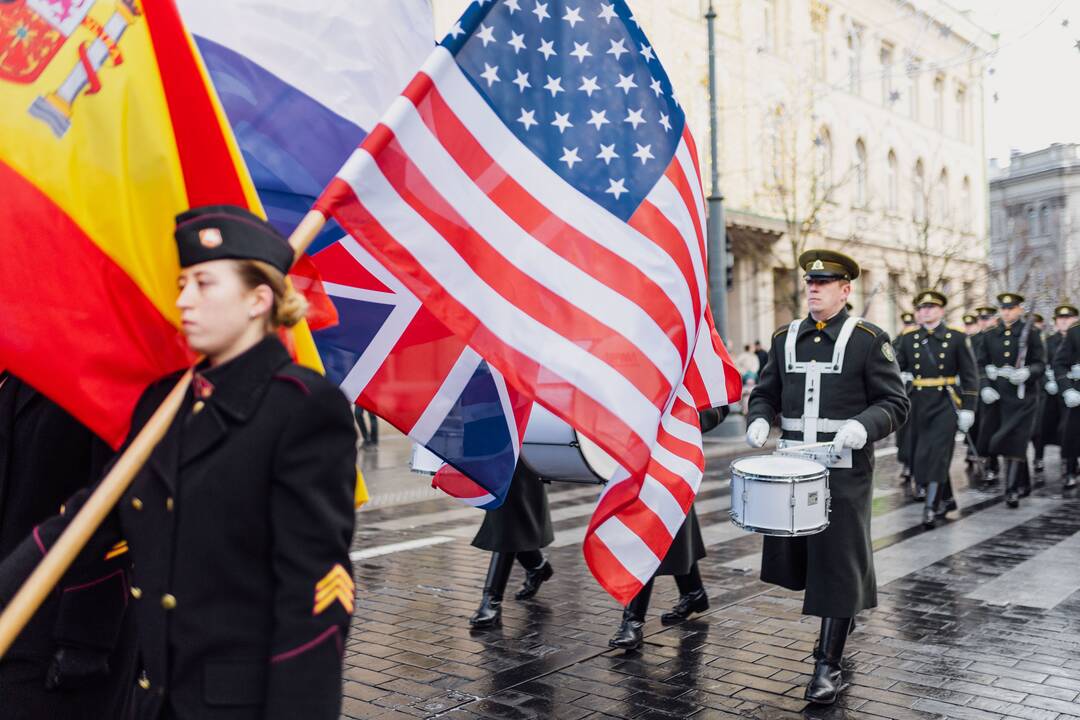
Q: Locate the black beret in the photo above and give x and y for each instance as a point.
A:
(228, 232)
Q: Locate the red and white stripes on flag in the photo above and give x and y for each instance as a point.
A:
(604, 322)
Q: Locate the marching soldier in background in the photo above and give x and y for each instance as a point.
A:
(971, 329)
(518, 528)
(833, 377)
(76, 657)
(903, 442)
(1012, 359)
(1037, 444)
(939, 363)
(681, 561)
(988, 318)
(1067, 374)
(1048, 427)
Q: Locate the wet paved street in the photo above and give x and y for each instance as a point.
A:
(978, 619)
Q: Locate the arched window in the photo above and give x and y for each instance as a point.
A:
(941, 197)
(939, 103)
(861, 174)
(918, 192)
(1044, 220)
(1032, 228)
(894, 183)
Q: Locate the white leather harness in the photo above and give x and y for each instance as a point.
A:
(810, 424)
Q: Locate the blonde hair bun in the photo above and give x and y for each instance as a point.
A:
(290, 308)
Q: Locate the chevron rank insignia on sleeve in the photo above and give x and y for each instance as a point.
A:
(336, 586)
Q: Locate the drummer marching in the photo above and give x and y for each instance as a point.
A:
(830, 377)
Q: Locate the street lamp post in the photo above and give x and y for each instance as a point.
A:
(717, 246)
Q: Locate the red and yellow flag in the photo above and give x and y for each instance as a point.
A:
(109, 128)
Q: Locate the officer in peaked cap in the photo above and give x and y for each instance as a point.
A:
(1066, 365)
(971, 323)
(830, 377)
(939, 363)
(1012, 360)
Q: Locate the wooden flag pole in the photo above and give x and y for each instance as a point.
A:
(79, 531)
(74, 538)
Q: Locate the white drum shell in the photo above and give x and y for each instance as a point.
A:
(772, 496)
(551, 449)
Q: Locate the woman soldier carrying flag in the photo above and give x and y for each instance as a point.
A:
(239, 525)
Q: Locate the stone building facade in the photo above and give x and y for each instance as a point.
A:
(857, 124)
(1035, 225)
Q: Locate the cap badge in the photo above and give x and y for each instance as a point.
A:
(818, 265)
(1007, 298)
(210, 237)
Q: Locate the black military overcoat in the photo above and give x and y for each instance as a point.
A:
(1067, 356)
(523, 521)
(836, 566)
(46, 455)
(930, 356)
(239, 529)
(1010, 421)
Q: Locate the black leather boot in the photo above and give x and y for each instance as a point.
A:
(828, 682)
(948, 500)
(929, 516)
(1025, 478)
(489, 613)
(1012, 482)
(692, 597)
(534, 578)
(631, 634)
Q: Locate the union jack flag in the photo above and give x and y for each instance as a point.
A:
(536, 187)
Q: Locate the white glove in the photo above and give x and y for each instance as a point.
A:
(989, 395)
(1020, 376)
(906, 377)
(851, 434)
(1074, 372)
(1052, 387)
(991, 372)
(964, 420)
(1072, 398)
(757, 433)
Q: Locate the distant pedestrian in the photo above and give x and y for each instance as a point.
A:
(747, 362)
(762, 355)
(369, 426)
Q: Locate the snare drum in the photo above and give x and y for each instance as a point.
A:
(780, 495)
(555, 451)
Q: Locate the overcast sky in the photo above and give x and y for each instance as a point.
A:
(1036, 72)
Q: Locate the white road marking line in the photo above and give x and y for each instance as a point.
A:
(398, 547)
(1042, 581)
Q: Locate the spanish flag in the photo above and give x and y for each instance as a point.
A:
(109, 128)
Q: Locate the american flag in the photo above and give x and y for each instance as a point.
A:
(537, 189)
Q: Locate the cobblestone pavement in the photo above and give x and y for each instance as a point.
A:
(978, 619)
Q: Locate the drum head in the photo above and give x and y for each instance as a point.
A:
(598, 461)
(777, 466)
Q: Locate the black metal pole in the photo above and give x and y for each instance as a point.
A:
(717, 247)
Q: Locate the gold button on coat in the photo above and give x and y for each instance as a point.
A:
(169, 504)
(168, 601)
(197, 407)
(136, 503)
(136, 592)
(144, 682)
(1006, 353)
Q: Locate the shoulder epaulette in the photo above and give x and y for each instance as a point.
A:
(297, 376)
(782, 329)
(962, 331)
(908, 331)
(874, 332)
